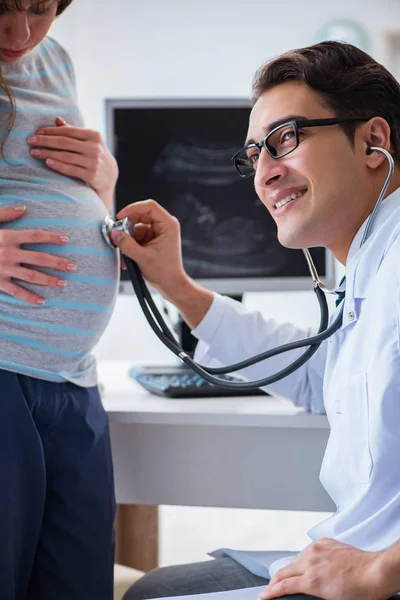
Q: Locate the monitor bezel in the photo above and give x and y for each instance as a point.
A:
(233, 286)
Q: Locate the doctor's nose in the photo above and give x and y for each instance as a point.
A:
(17, 29)
(268, 170)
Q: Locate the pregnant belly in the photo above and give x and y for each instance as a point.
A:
(73, 318)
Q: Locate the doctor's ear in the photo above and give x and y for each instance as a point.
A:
(376, 132)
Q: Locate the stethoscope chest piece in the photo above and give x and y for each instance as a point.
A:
(109, 225)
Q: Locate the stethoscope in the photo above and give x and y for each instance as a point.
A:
(162, 331)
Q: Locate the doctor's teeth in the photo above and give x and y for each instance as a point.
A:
(288, 199)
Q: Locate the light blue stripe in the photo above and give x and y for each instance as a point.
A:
(83, 250)
(84, 306)
(47, 45)
(12, 162)
(49, 41)
(31, 181)
(38, 74)
(51, 349)
(50, 326)
(29, 370)
(26, 92)
(83, 278)
(52, 223)
(46, 181)
(63, 91)
(15, 133)
(59, 197)
(41, 111)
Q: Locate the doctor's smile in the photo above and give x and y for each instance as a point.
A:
(281, 199)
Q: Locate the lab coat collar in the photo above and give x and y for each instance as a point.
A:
(364, 262)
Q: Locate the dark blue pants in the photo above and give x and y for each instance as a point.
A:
(57, 503)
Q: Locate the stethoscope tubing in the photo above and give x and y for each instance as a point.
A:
(312, 343)
(162, 331)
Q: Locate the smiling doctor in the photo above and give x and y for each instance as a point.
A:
(320, 182)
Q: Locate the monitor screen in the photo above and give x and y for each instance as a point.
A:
(178, 152)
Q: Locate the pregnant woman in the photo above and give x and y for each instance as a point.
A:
(58, 284)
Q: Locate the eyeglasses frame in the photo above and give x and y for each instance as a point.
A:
(297, 124)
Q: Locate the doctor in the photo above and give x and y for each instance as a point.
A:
(319, 184)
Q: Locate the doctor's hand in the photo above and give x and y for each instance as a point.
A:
(330, 570)
(80, 153)
(13, 259)
(156, 247)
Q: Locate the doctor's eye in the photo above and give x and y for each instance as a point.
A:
(287, 136)
(281, 141)
(252, 156)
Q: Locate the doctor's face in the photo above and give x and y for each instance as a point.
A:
(23, 25)
(315, 194)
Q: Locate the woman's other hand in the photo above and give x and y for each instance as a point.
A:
(14, 259)
(80, 153)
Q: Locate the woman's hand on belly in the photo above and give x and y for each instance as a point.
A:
(13, 258)
(80, 153)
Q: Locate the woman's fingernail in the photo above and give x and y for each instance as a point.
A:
(61, 283)
(49, 161)
(32, 140)
(22, 207)
(36, 152)
(64, 239)
(40, 301)
(116, 236)
(71, 267)
(40, 131)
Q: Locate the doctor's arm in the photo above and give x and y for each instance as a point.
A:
(228, 333)
(329, 570)
(156, 248)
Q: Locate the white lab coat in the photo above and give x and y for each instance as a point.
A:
(355, 375)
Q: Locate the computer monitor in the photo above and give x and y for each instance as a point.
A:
(178, 152)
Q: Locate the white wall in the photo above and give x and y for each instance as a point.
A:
(200, 48)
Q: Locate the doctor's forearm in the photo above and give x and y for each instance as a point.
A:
(192, 301)
(389, 569)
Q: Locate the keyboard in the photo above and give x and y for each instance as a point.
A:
(182, 382)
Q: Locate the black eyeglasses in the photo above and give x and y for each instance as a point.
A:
(279, 142)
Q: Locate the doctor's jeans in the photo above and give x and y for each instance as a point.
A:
(57, 502)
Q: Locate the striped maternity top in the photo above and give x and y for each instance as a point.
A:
(53, 341)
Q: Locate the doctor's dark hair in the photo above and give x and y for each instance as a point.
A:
(349, 82)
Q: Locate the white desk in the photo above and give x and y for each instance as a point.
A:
(243, 452)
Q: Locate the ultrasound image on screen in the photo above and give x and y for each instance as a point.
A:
(181, 157)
